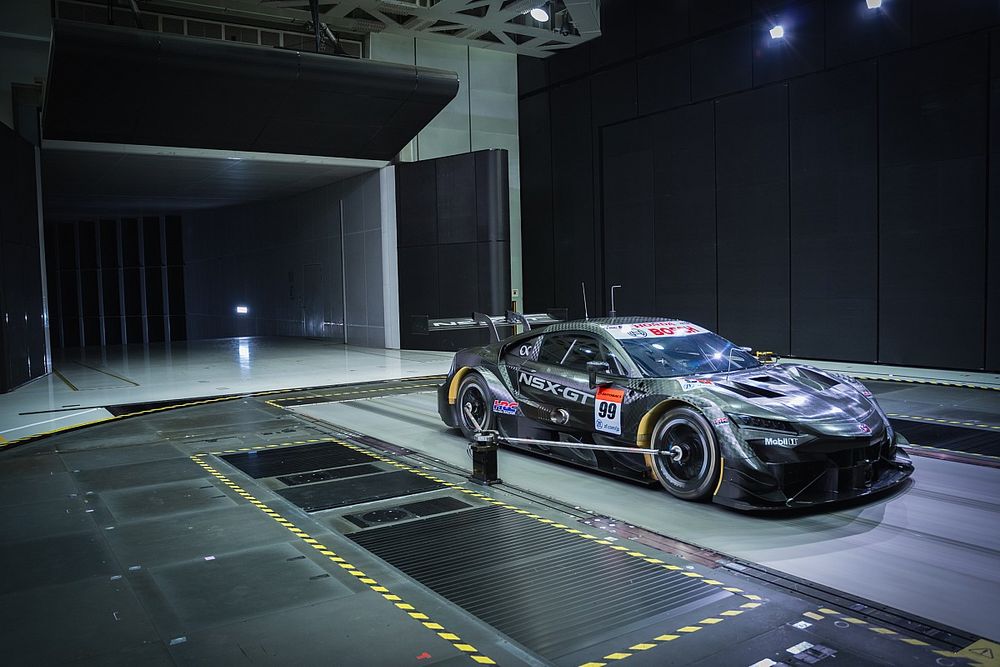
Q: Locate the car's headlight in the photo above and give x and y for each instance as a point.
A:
(764, 423)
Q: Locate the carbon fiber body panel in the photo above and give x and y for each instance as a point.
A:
(790, 434)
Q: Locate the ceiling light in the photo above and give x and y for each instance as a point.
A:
(777, 32)
(242, 310)
(539, 14)
(873, 4)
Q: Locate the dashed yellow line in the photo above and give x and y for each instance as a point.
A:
(950, 422)
(942, 383)
(275, 401)
(665, 638)
(893, 635)
(467, 649)
(974, 455)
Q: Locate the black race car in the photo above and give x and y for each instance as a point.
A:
(726, 427)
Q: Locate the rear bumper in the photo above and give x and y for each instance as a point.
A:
(786, 486)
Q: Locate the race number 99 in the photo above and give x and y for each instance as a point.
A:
(608, 410)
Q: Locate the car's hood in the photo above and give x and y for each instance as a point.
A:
(793, 392)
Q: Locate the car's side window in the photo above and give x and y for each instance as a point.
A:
(524, 350)
(573, 351)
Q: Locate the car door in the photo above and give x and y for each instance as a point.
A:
(557, 381)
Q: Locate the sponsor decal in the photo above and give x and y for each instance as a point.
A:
(865, 428)
(653, 329)
(505, 407)
(554, 388)
(608, 410)
(721, 420)
(695, 383)
(781, 442)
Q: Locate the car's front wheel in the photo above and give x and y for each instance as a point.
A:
(474, 406)
(688, 464)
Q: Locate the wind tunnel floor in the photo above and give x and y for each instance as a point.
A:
(175, 538)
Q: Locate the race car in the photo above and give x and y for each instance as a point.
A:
(717, 423)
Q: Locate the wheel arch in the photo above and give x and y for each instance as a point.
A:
(648, 422)
(455, 381)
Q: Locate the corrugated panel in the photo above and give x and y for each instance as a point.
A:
(547, 589)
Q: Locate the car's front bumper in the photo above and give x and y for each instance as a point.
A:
(794, 485)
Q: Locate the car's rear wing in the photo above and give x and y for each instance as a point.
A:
(421, 324)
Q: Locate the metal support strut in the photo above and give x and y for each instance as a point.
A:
(484, 458)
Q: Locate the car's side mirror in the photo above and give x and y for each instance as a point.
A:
(595, 367)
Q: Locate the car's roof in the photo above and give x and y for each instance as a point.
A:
(598, 324)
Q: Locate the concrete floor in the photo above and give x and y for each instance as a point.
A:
(88, 380)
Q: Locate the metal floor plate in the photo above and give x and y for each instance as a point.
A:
(357, 490)
(291, 460)
(547, 589)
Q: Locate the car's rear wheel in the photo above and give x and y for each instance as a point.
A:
(474, 405)
(688, 466)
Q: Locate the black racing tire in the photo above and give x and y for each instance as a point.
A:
(472, 390)
(692, 472)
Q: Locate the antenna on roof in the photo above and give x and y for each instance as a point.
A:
(613, 288)
(583, 286)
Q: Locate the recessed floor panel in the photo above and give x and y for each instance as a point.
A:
(356, 490)
(331, 474)
(291, 460)
(547, 589)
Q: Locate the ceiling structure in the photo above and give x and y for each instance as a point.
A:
(81, 179)
(503, 25)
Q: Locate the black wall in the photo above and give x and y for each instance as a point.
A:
(22, 327)
(115, 281)
(453, 242)
(827, 195)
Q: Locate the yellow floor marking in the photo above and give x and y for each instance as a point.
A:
(594, 664)
(829, 611)
(854, 621)
(914, 642)
(813, 615)
(710, 621)
(689, 628)
(642, 647)
(983, 652)
(617, 656)
(456, 641)
(883, 631)
(667, 638)
(732, 612)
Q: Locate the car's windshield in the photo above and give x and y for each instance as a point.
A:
(670, 356)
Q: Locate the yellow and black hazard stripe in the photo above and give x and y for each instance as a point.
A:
(948, 422)
(467, 649)
(981, 652)
(360, 392)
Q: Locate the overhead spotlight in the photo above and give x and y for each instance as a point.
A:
(873, 4)
(777, 32)
(539, 14)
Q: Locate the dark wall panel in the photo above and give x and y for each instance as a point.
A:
(834, 205)
(933, 19)
(660, 23)
(536, 202)
(629, 258)
(464, 266)
(572, 201)
(993, 231)
(684, 213)
(722, 63)
(752, 176)
(707, 15)
(854, 32)
(617, 40)
(933, 142)
(22, 331)
(664, 80)
(799, 52)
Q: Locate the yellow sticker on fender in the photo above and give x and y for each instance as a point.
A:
(607, 410)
